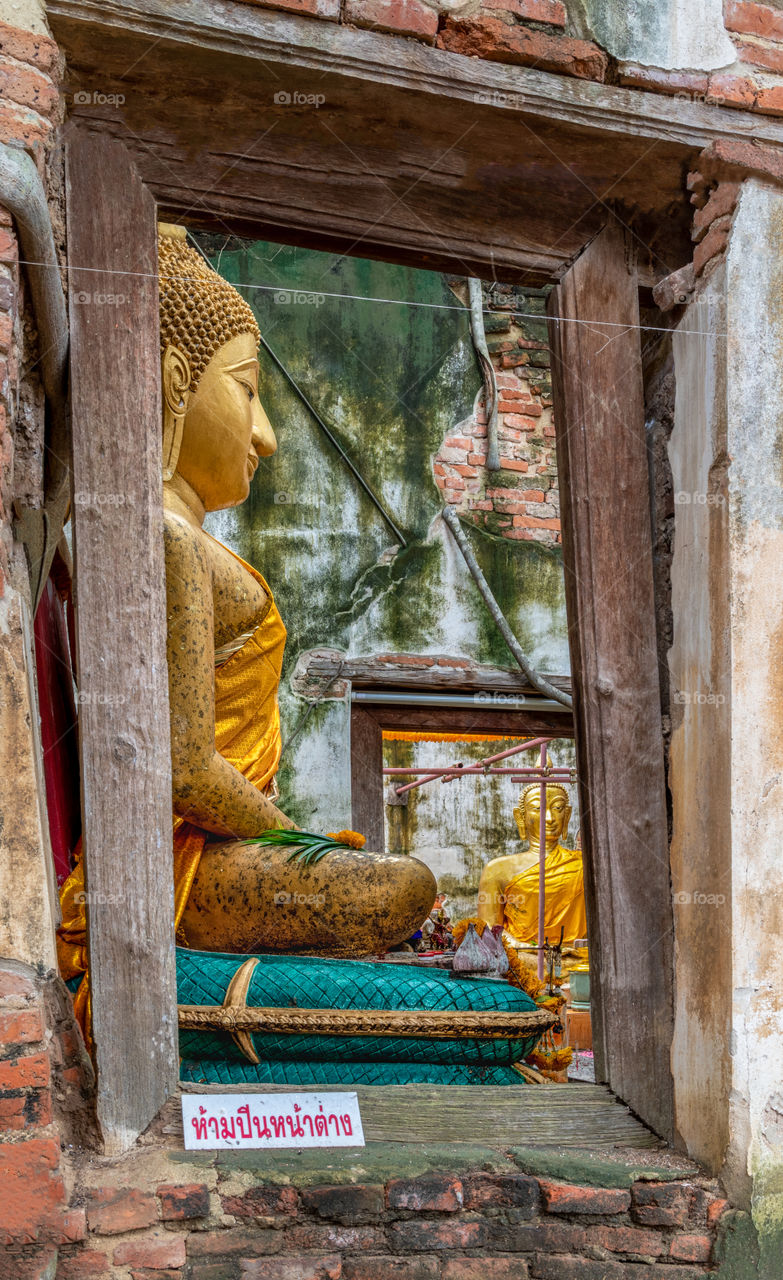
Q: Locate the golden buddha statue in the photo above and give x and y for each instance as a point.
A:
(508, 889)
(225, 653)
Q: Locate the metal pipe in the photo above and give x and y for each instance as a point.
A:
(478, 767)
(538, 682)
(527, 775)
(483, 698)
(541, 866)
(22, 194)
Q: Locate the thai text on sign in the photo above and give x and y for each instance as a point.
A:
(218, 1120)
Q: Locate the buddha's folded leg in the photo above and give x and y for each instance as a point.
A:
(249, 897)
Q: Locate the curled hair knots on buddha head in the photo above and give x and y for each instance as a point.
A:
(535, 787)
(199, 310)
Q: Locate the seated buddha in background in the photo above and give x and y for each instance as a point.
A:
(225, 652)
(508, 889)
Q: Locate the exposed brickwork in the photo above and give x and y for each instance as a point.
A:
(434, 1227)
(405, 17)
(521, 501)
(497, 41)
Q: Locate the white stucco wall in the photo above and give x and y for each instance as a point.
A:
(671, 34)
(727, 756)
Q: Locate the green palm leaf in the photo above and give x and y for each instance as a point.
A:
(308, 848)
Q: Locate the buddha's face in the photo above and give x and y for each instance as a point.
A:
(558, 815)
(226, 430)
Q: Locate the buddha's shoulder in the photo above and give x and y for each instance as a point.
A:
(183, 541)
(504, 866)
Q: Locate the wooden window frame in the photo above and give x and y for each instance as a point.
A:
(116, 451)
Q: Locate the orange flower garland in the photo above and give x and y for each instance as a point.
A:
(351, 838)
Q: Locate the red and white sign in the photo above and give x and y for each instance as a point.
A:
(217, 1120)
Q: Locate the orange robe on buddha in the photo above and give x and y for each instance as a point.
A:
(247, 733)
(564, 900)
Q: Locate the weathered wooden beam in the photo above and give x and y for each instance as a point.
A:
(367, 814)
(239, 30)
(607, 551)
(407, 671)
(121, 634)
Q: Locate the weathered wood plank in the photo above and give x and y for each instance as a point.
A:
(407, 671)
(574, 1115)
(481, 719)
(607, 551)
(240, 30)
(367, 814)
(121, 634)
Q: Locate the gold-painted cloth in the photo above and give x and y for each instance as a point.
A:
(564, 899)
(247, 733)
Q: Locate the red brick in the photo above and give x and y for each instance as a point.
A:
(754, 19)
(20, 1027)
(513, 406)
(329, 9)
(496, 41)
(236, 1243)
(480, 505)
(346, 1204)
(759, 54)
(382, 1267)
(38, 50)
(27, 86)
(329, 1268)
(9, 250)
(535, 522)
(621, 1239)
(551, 11)
(715, 1210)
(497, 1268)
(327, 1237)
(514, 361)
(191, 1200)
(712, 245)
(432, 1194)
(477, 459)
(88, 1264)
(463, 469)
(147, 1274)
(439, 469)
(419, 1235)
(14, 984)
(24, 125)
(661, 1204)
(513, 464)
(722, 201)
(33, 1191)
(72, 1226)
(690, 1248)
(30, 1072)
(561, 1198)
(684, 83)
(512, 1190)
(731, 90)
(114, 1210)
(156, 1252)
(770, 100)
(458, 442)
(403, 17)
(520, 421)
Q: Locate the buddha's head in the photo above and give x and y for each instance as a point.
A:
(528, 815)
(214, 426)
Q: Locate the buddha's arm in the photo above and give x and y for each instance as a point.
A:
(490, 894)
(207, 789)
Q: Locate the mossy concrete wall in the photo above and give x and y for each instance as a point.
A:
(391, 378)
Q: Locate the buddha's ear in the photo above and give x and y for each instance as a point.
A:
(176, 378)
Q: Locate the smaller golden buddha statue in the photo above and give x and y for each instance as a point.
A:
(508, 889)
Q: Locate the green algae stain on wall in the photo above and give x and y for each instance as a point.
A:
(391, 379)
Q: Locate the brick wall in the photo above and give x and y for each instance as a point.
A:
(545, 34)
(521, 501)
(478, 1226)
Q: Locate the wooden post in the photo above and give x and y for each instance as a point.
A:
(121, 633)
(367, 778)
(607, 551)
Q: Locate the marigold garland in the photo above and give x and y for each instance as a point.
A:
(519, 975)
(352, 838)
